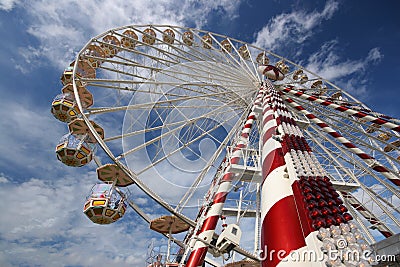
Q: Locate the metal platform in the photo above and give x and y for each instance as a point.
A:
(232, 212)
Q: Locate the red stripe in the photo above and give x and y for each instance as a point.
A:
(379, 121)
(281, 231)
(268, 134)
(395, 181)
(272, 161)
(364, 156)
(386, 234)
(298, 93)
(341, 108)
(220, 197)
(322, 124)
(268, 118)
(210, 223)
(309, 115)
(196, 256)
(227, 176)
(326, 103)
(380, 169)
(245, 135)
(359, 115)
(335, 134)
(358, 207)
(349, 145)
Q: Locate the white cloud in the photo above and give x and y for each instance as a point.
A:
(328, 63)
(30, 135)
(7, 5)
(296, 26)
(45, 226)
(289, 31)
(62, 28)
(3, 179)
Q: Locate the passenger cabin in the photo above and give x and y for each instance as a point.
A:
(104, 205)
(74, 150)
(64, 107)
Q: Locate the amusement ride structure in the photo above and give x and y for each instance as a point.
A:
(253, 159)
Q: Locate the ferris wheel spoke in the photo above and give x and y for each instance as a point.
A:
(189, 194)
(358, 207)
(158, 104)
(371, 118)
(179, 149)
(347, 157)
(371, 162)
(203, 87)
(371, 194)
(169, 94)
(172, 131)
(220, 75)
(149, 129)
(384, 159)
(230, 58)
(248, 70)
(358, 135)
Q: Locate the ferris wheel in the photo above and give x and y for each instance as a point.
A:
(244, 150)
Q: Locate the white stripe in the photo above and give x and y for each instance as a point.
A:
(269, 146)
(215, 210)
(269, 125)
(224, 187)
(204, 236)
(274, 188)
(268, 112)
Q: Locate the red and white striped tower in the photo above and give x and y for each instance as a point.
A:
(297, 197)
(281, 232)
(206, 232)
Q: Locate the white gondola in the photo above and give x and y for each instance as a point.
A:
(104, 205)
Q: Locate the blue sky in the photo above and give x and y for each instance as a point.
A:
(352, 43)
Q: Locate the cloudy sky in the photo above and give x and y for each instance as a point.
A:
(352, 43)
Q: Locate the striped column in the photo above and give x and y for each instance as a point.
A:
(317, 206)
(205, 234)
(281, 231)
(372, 162)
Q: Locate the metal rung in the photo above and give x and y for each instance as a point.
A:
(232, 212)
(343, 186)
